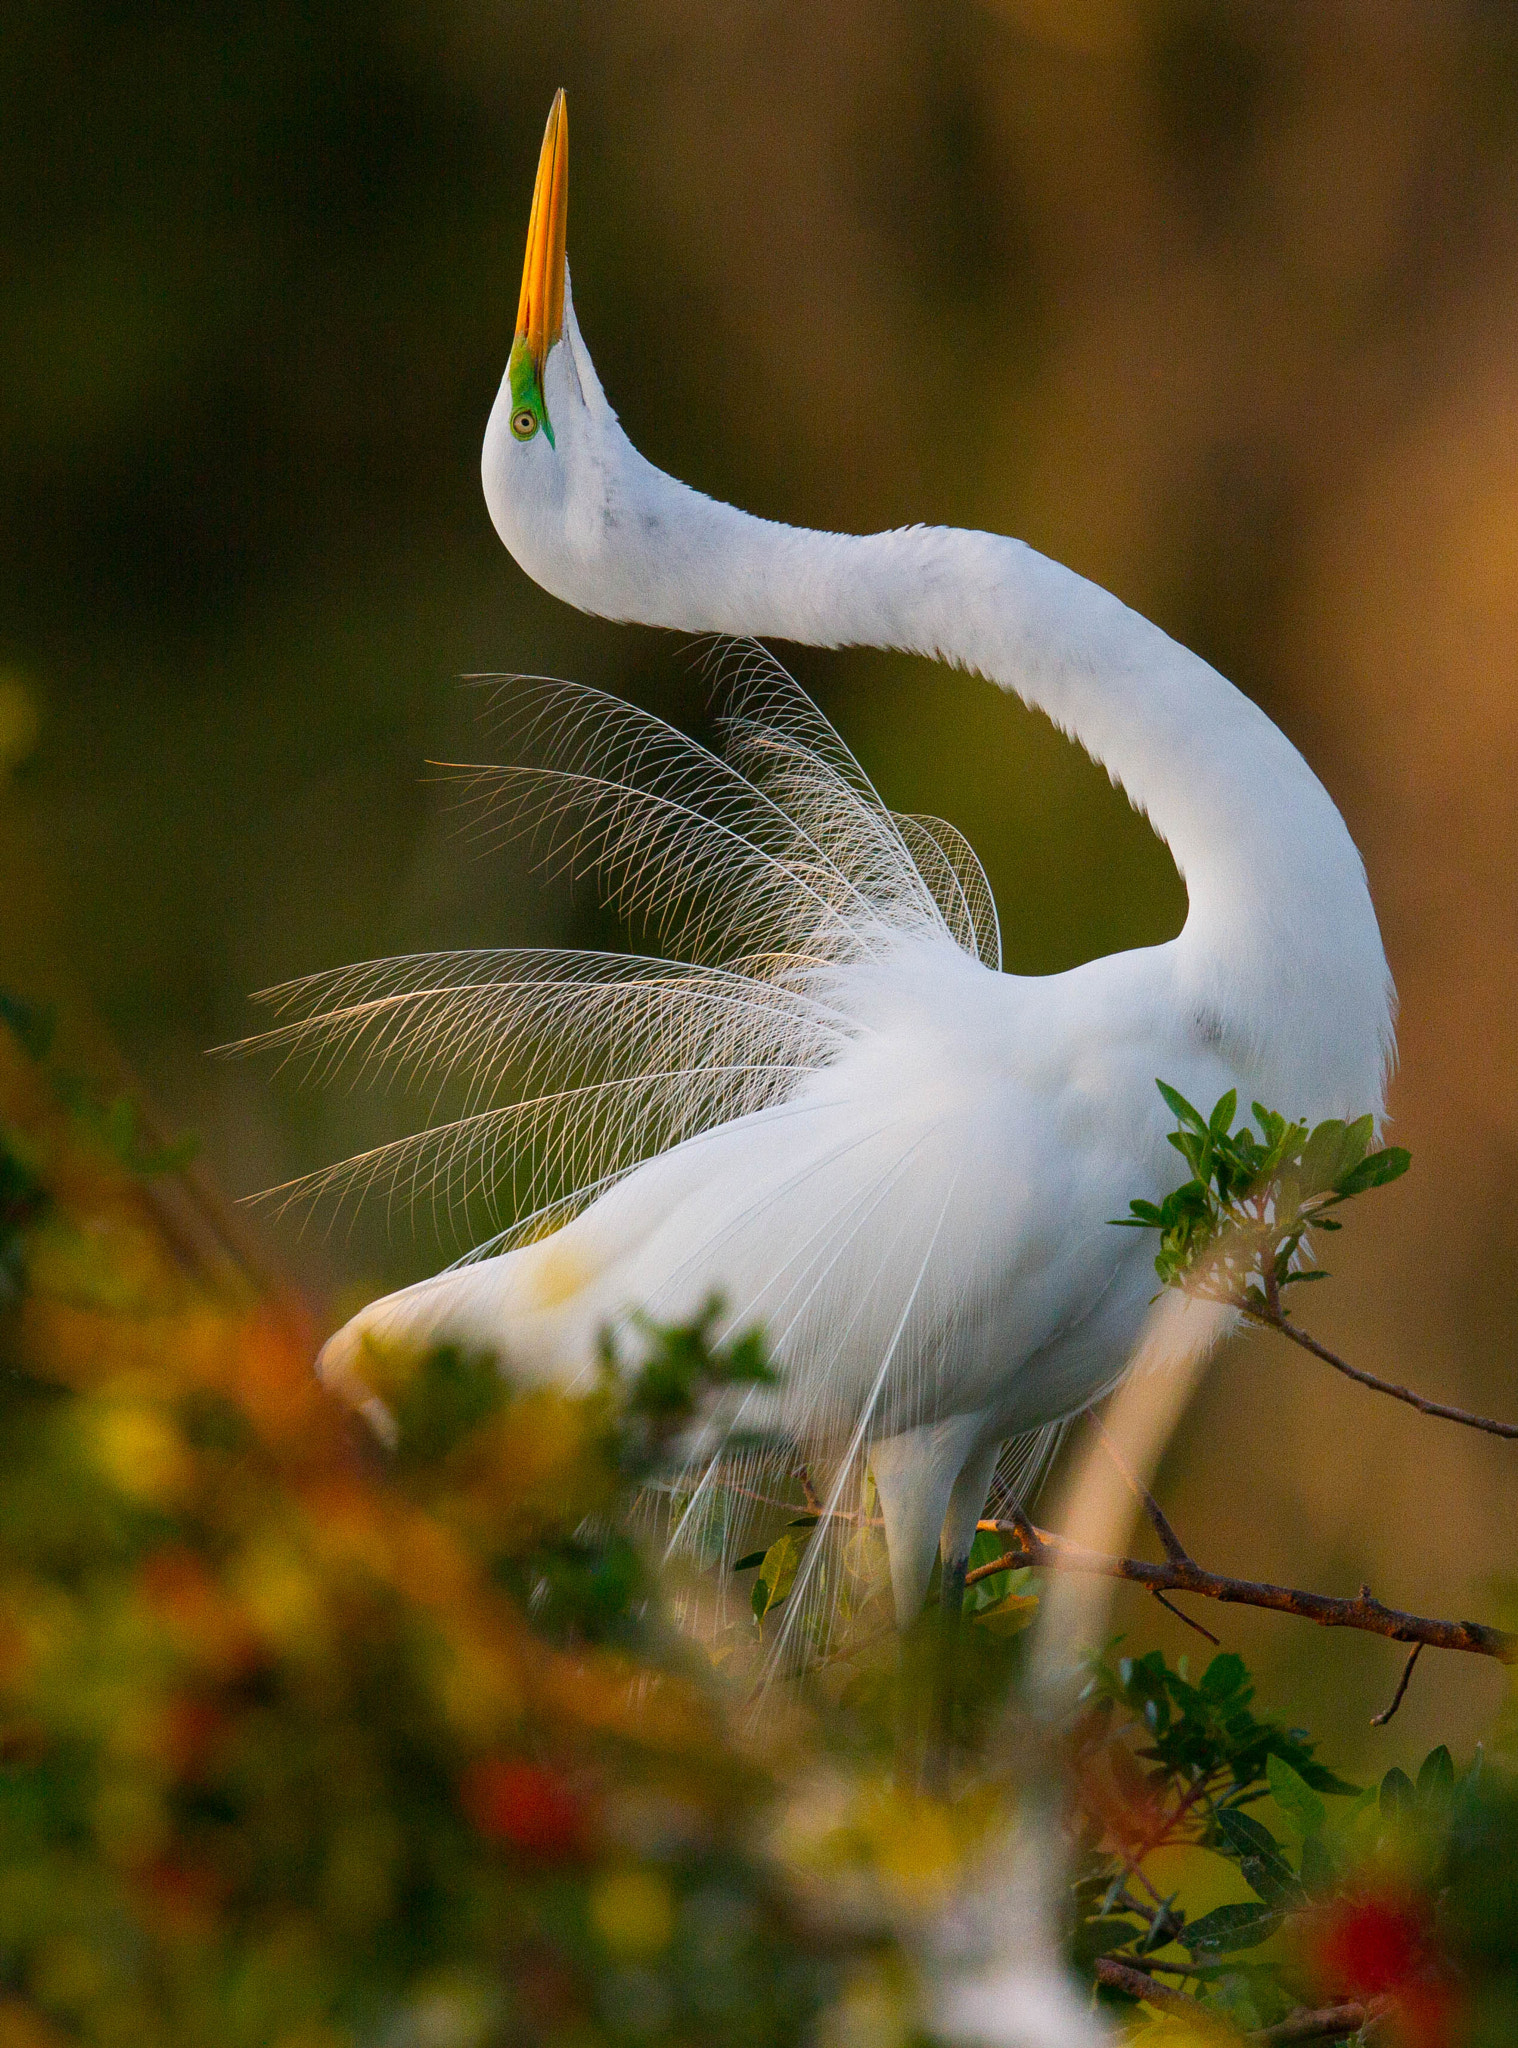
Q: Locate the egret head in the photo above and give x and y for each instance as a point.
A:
(540, 310)
(553, 450)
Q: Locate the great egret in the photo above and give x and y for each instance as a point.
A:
(835, 1111)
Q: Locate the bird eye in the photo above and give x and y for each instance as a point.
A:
(524, 423)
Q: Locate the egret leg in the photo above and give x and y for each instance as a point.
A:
(965, 1503)
(964, 1510)
(917, 1476)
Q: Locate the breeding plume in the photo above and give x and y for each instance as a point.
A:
(828, 1105)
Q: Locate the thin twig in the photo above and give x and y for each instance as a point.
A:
(1175, 1550)
(1133, 1859)
(1045, 1552)
(1380, 1720)
(809, 1492)
(1274, 1318)
(1180, 1615)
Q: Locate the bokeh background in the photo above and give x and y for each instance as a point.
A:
(1217, 303)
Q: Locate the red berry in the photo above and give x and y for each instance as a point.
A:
(525, 1805)
(1372, 1945)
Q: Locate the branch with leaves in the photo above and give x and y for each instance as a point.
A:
(1373, 1892)
(1239, 1231)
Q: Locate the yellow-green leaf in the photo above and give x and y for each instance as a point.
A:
(1010, 1615)
(777, 1574)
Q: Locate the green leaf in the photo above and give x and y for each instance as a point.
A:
(1436, 1779)
(1397, 1795)
(1010, 1615)
(1181, 1108)
(1318, 1868)
(1375, 1171)
(777, 1572)
(1227, 1928)
(1221, 1120)
(1224, 1676)
(1356, 1143)
(1322, 1156)
(746, 1564)
(1295, 1796)
(1192, 1149)
(1322, 1779)
(1099, 1938)
(1258, 1854)
(1272, 1124)
(1250, 1837)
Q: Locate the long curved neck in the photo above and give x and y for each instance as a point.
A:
(1280, 949)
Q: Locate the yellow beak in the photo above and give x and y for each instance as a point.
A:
(540, 313)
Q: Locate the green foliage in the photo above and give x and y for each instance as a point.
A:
(117, 1122)
(306, 1741)
(683, 1367)
(777, 1570)
(292, 1751)
(1005, 1603)
(22, 1201)
(441, 1401)
(1408, 1890)
(1235, 1231)
(32, 1024)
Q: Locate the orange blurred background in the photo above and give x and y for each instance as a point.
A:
(1216, 302)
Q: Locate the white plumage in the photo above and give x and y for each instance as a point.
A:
(829, 1106)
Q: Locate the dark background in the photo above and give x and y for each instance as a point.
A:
(1217, 303)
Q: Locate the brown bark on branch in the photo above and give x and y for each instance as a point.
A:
(1307, 2023)
(1323, 2023)
(1046, 1552)
(1139, 1984)
(1274, 1318)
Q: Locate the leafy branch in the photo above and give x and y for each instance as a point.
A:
(1239, 1231)
(1374, 1892)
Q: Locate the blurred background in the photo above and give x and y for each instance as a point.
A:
(1217, 303)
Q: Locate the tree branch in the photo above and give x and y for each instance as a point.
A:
(1139, 1984)
(1045, 1552)
(1272, 1317)
(1323, 2023)
(1307, 2023)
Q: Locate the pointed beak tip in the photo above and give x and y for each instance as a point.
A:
(540, 311)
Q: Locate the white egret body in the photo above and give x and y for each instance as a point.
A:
(900, 1160)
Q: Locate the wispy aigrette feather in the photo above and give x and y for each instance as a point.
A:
(761, 872)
